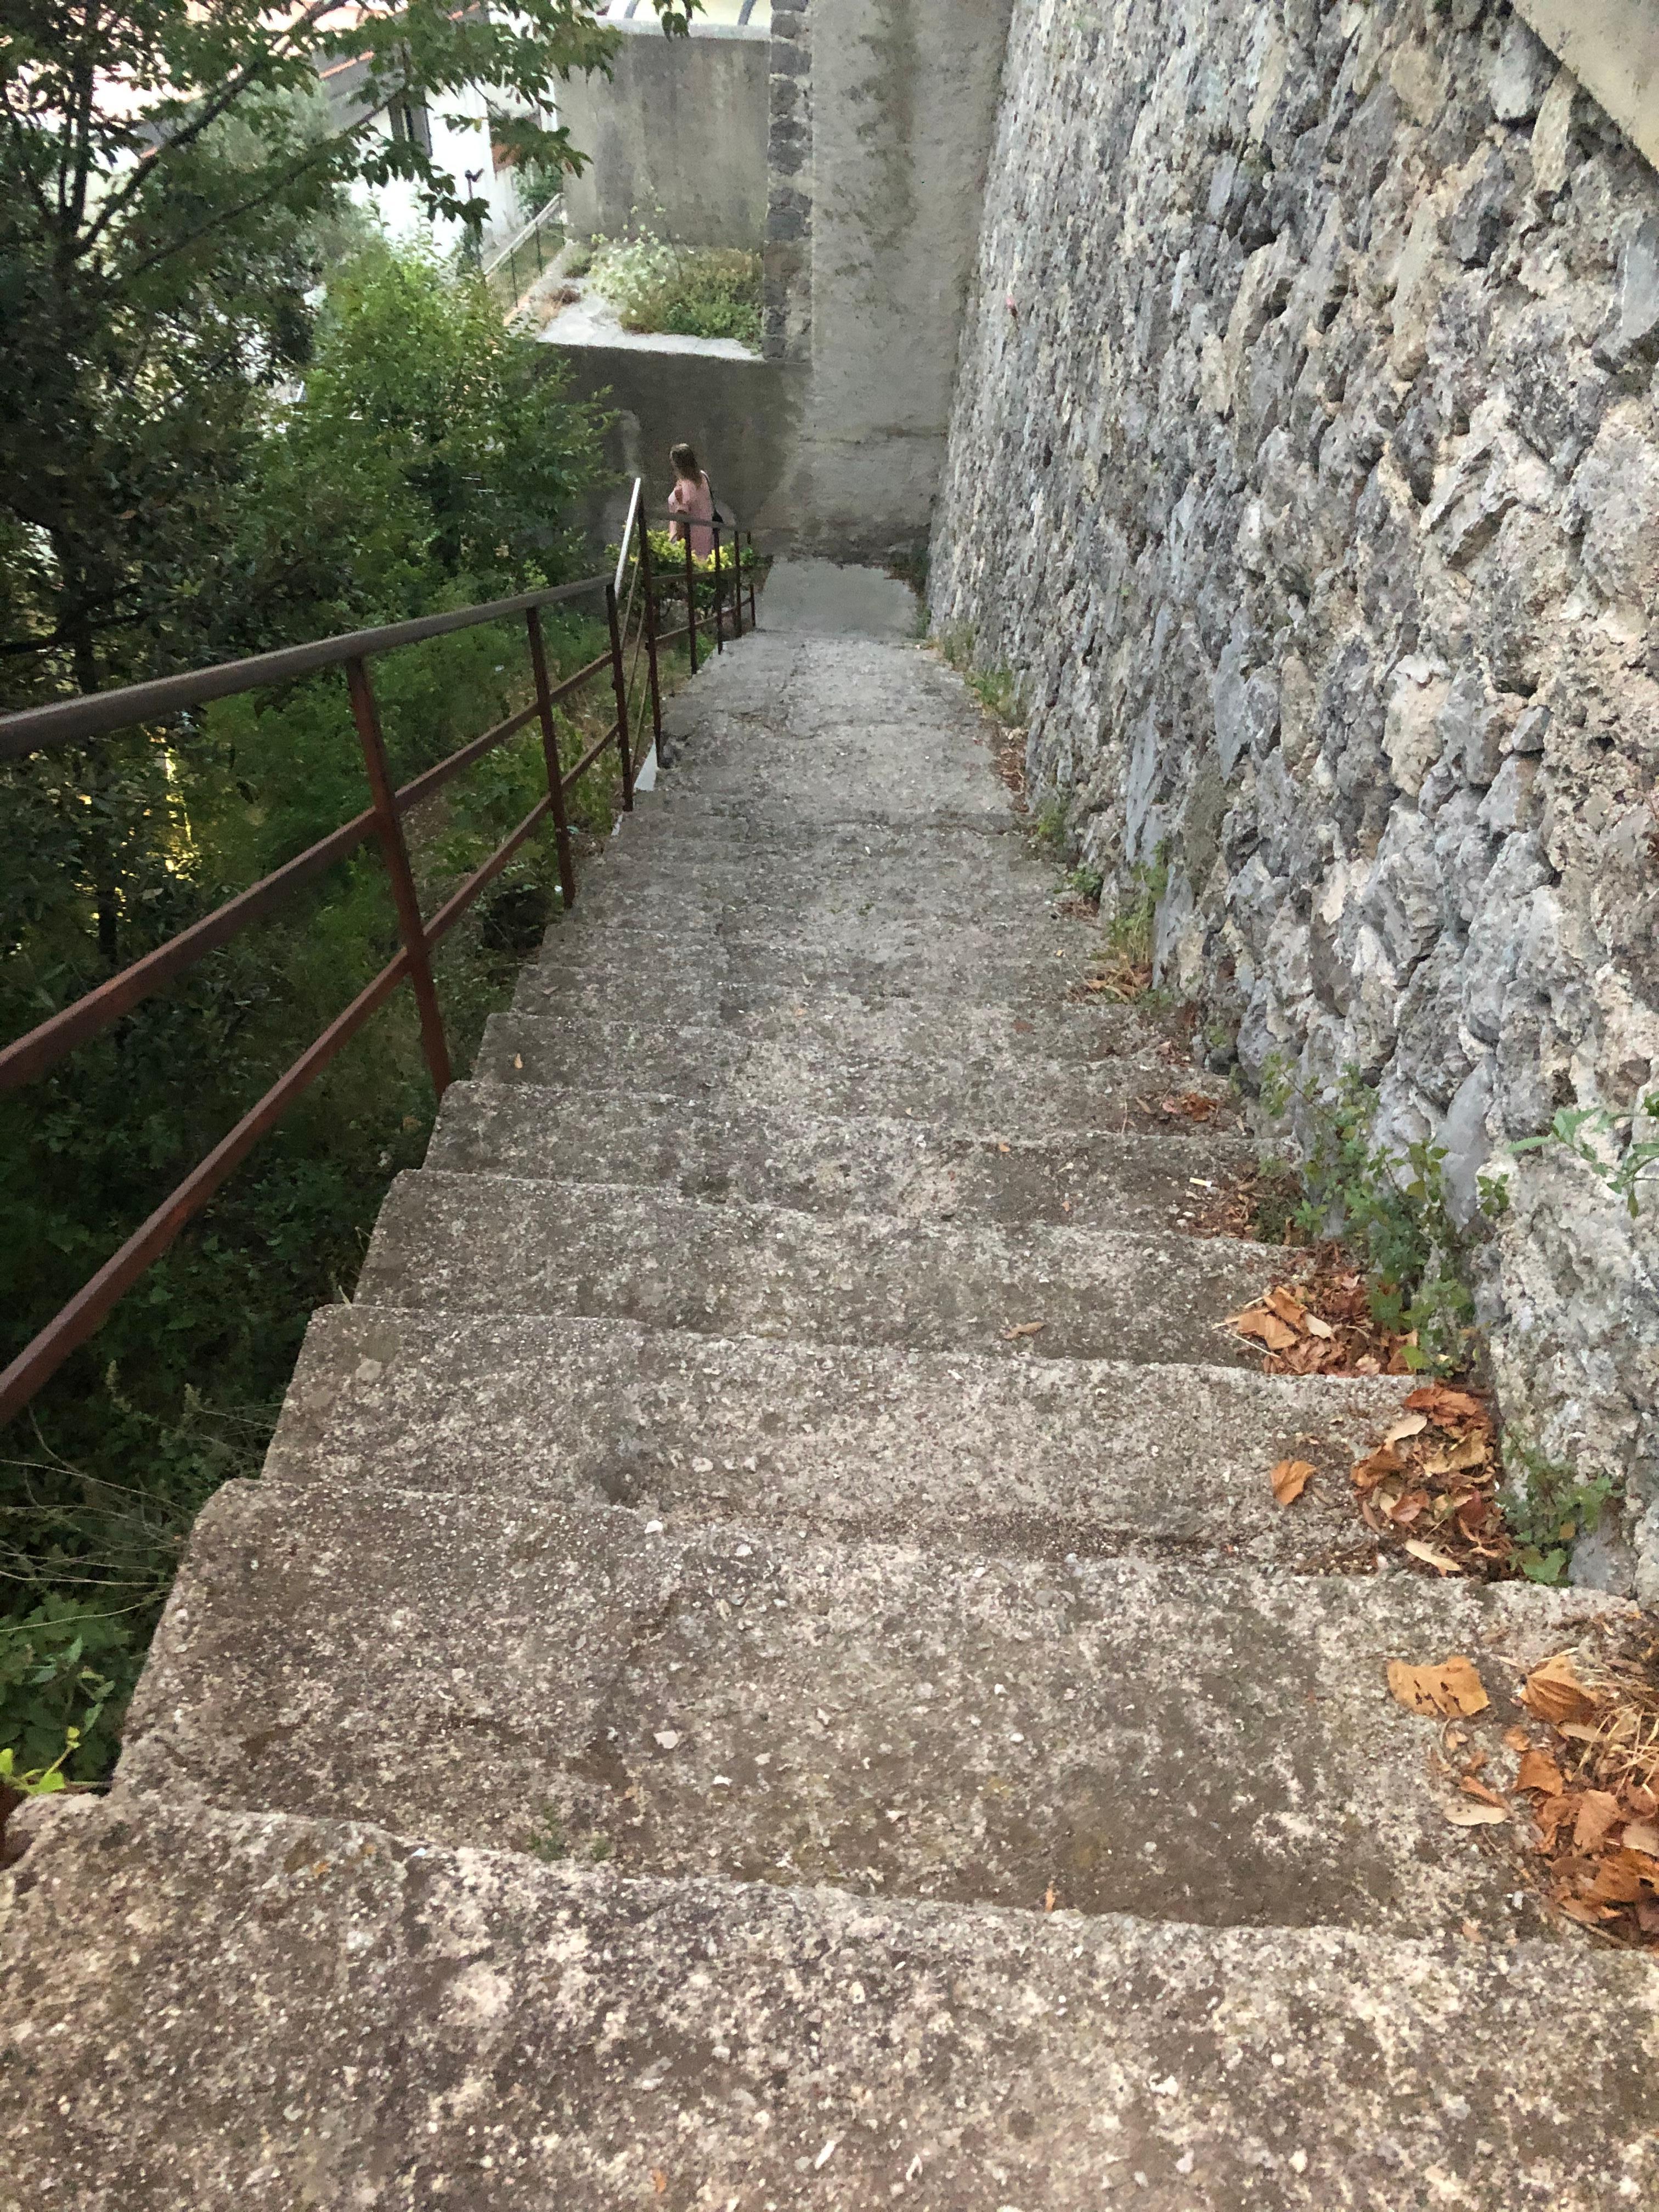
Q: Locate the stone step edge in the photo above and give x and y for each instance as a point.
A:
(590, 1194)
(694, 1109)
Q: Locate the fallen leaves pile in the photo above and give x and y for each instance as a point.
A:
(1595, 1793)
(1184, 1106)
(1320, 1324)
(1585, 1801)
(1119, 981)
(1430, 1486)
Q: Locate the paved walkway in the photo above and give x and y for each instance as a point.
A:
(764, 1669)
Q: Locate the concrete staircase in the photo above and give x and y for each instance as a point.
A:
(711, 1706)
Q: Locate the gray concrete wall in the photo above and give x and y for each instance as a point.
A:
(1612, 47)
(680, 126)
(883, 116)
(741, 414)
(1305, 473)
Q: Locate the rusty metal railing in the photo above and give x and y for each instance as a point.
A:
(631, 597)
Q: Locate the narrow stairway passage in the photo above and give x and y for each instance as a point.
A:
(763, 1668)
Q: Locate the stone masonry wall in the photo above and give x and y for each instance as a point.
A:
(1304, 470)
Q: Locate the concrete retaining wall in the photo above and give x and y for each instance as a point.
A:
(883, 113)
(676, 138)
(1305, 471)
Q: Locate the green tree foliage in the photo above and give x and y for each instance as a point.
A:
(425, 462)
(163, 166)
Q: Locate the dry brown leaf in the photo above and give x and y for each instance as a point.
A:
(1517, 1739)
(1442, 1562)
(1642, 1836)
(1371, 1471)
(1315, 1326)
(1453, 1459)
(1409, 1424)
(1539, 1772)
(1475, 1788)
(1287, 1306)
(1024, 1328)
(1441, 1403)
(1267, 1328)
(1048, 1898)
(1453, 1687)
(1554, 1692)
(1599, 1811)
(658, 2180)
(1290, 1478)
(1474, 1816)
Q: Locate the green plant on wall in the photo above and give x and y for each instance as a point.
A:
(1575, 1129)
(1548, 1507)
(1390, 1207)
(712, 292)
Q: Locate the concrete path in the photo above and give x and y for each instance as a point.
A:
(763, 1669)
(820, 599)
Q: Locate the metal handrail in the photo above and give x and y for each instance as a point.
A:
(70, 721)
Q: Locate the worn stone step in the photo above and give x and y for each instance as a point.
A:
(238, 2005)
(799, 898)
(1014, 1092)
(491, 1244)
(617, 949)
(961, 1026)
(864, 1165)
(954, 1010)
(1184, 1742)
(875, 773)
(962, 1451)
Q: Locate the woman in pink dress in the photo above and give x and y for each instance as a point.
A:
(691, 503)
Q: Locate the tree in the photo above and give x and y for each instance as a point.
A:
(162, 165)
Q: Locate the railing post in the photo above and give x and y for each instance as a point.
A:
(551, 754)
(619, 683)
(737, 581)
(691, 602)
(367, 717)
(753, 618)
(649, 583)
(720, 607)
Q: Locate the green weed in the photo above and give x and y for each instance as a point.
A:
(1390, 1209)
(710, 292)
(996, 691)
(1575, 1129)
(1549, 1506)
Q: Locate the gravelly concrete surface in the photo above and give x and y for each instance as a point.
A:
(254, 2010)
(680, 1488)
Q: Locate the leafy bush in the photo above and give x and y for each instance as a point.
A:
(711, 293)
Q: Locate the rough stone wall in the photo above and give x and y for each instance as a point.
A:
(1304, 468)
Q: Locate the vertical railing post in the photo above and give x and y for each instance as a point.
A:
(737, 581)
(691, 602)
(753, 618)
(619, 683)
(719, 608)
(551, 754)
(413, 930)
(648, 584)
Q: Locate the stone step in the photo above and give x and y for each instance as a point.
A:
(707, 986)
(799, 899)
(1007, 1093)
(845, 775)
(1180, 1740)
(611, 952)
(957, 1449)
(957, 1026)
(475, 1243)
(864, 1165)
(238, 2004)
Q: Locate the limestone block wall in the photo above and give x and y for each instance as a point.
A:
(1304, 468)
